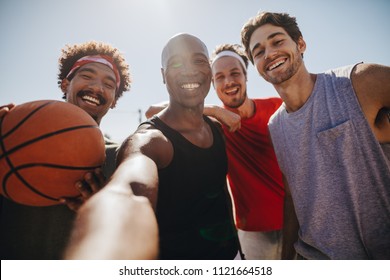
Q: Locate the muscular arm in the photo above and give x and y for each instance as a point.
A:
(118, 222)
(224, 116)
(371, 83)
(155, 108)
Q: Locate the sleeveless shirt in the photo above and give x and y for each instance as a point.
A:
(193, 206)
(339, 175)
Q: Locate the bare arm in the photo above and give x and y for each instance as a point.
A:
(290, 225)
(118, 222)
(224, 116)
(155, 108)
(114, 225)
(371, 83)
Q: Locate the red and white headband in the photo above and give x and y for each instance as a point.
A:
(103, 59)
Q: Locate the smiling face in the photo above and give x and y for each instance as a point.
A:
(186, 70)
(229, 80)
(92, 89)
(275, 55)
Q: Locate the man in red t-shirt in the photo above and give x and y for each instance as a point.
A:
(254, 176)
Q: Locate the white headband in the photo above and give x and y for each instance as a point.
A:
(231, 54)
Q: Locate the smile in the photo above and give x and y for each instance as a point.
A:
(274, 65)
(190, 86)
(91, 100)
(232, 91)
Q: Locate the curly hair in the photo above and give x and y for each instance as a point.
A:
(284, 20)
(231, 47)
(72, 53)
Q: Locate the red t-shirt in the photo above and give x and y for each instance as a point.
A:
(254, 175)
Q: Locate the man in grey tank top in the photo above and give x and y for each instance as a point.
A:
(332, 140)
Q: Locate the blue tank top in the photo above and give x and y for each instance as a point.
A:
(193, 207)
(338, 174)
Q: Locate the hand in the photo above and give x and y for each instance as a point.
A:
(230, 119)
(91, 184)
(5, 109)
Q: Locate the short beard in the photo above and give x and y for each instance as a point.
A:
(286, 75)
(236, 103)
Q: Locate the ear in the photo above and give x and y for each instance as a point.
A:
(163, 76)
(64, 85)
(301, 45)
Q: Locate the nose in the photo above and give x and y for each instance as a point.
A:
(96, 86)
(189, 69)
(229, 80)
(270, 53)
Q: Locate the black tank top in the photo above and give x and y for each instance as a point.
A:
(194, 207)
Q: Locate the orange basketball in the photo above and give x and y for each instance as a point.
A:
(45, 147)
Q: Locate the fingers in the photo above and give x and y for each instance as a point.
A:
(92, 183)
(95, 180)
(5, 109)
(72, 203)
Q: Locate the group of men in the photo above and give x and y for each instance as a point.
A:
(314, 164)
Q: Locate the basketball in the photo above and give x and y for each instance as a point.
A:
(45, 147)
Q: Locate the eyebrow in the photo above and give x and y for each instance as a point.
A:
(93, 71)
(268, 38)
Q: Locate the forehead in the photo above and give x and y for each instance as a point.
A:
(97, 68)
(226, 63)
(183, 46)
(264, 33)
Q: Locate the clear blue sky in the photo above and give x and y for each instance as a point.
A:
(32, 32)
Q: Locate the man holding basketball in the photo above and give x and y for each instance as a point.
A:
(92, 76)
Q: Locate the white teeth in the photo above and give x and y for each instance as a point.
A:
(231, 91)
(91, 99)
(190, 86)
(273, 66)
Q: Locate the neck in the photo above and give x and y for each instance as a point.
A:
(183, 118)
(246, 110)
(297, 90)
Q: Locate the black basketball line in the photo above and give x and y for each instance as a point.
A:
(11, 166)
(6, 154)
(22, 121)
(2, 137)
(28, 185)
(47, 135)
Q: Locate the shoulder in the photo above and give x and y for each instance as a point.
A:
(267, 106)
(146, 140)
(370, 80)
(370, 69)
(269, 101)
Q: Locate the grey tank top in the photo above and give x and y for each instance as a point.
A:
(338, 174)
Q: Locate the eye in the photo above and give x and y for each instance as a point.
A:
(86, 76)
(258, 53)
(279, 42)
(176, 65)
(109, 85)
(219, 78)
(200, 61)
